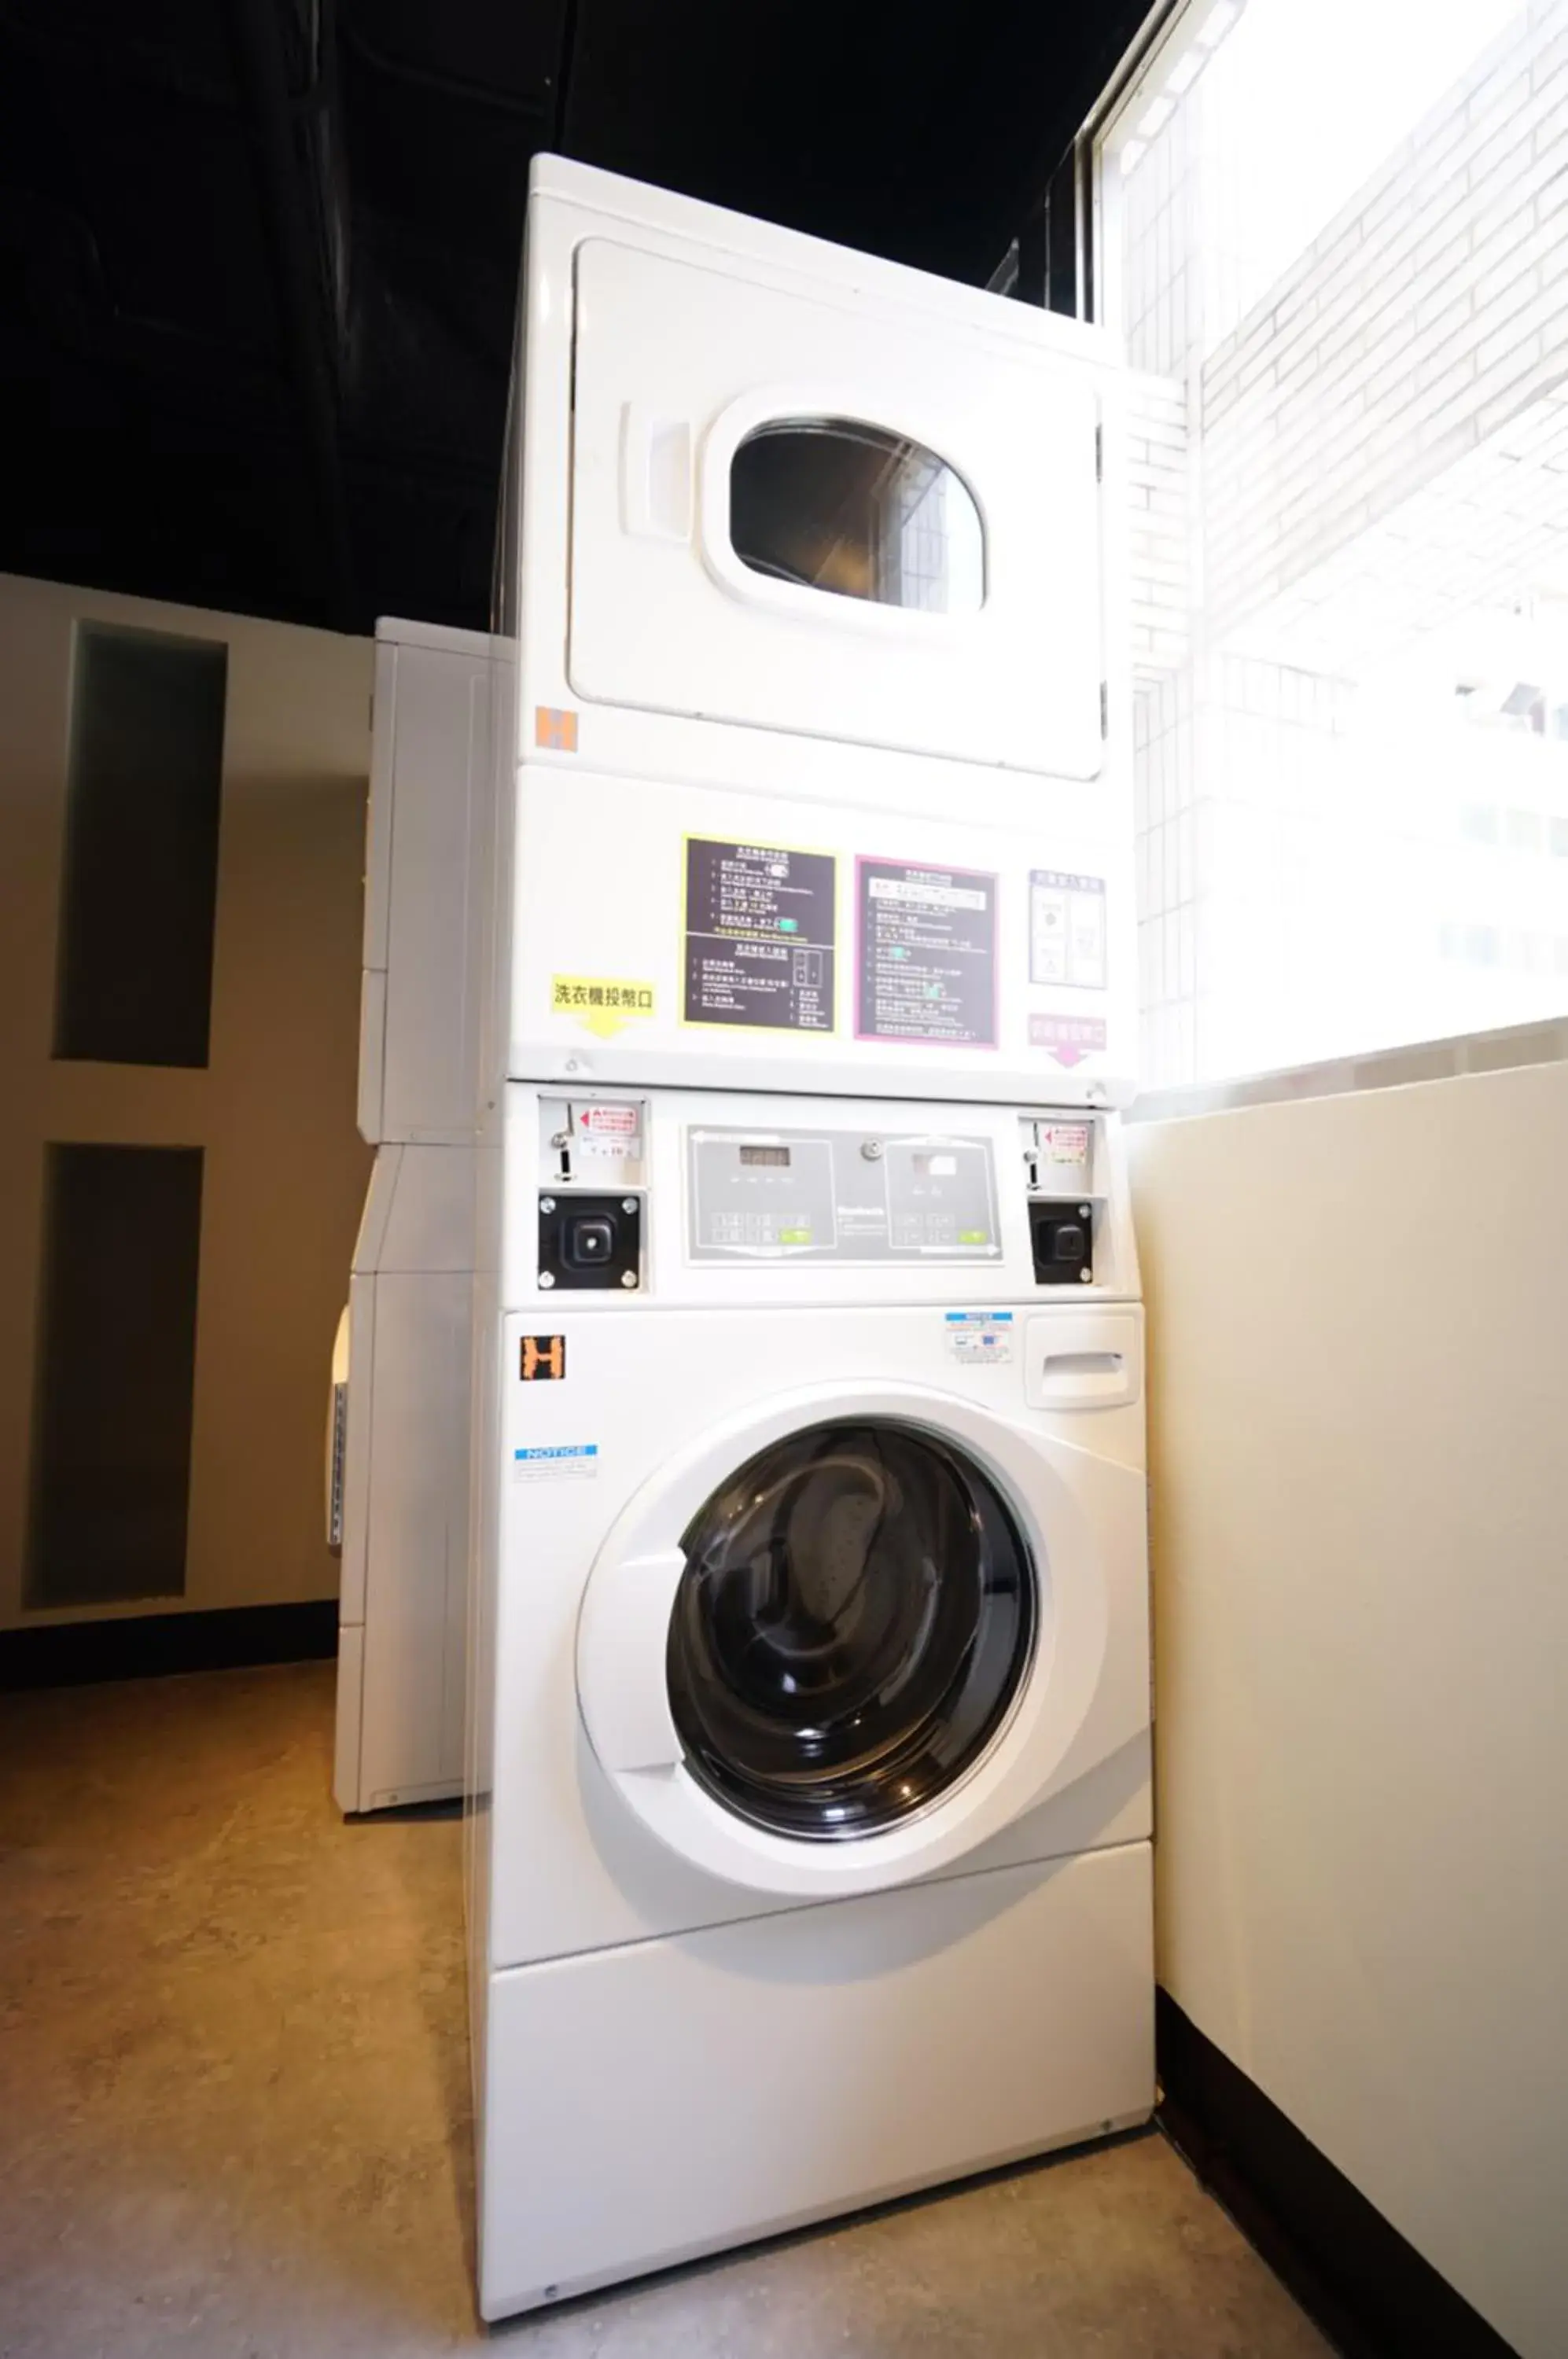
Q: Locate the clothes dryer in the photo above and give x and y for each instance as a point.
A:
(796, 492)
(813, 592)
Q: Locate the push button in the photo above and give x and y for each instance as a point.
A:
(589, 1242)
(1063, 1240)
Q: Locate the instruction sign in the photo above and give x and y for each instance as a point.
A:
(1069, 1039)
(1067, 928)
(604, 1004)
(927, 963)
(760, 936)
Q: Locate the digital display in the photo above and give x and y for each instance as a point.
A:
(768, 1159)
(935, 1166)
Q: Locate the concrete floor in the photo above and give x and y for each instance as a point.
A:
(234, 2106)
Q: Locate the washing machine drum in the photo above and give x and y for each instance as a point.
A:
(855, 1619)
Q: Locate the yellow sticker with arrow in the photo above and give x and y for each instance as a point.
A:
(601, 1002)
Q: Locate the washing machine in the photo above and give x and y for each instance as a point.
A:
(812, 577)
(809, 1841)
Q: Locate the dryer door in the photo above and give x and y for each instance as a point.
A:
(843, 1644)
(789, 513)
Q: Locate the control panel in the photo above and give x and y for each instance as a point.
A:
(840, 1195)
(655, 1195)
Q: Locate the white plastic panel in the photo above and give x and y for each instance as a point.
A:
(676, 366)
(403, 1611)
(442, 772)
(372, 1054)
(415, 1588)
(424, 1196)
(428, 827)
(587, 922)
(1083, 1360)
(873, 2047)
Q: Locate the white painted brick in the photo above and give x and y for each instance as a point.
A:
(1548, 370)
(1502, 156)
(1549, 310)
(1497, 85)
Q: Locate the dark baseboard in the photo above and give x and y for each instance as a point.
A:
(156, 1645)
(1368, 2289)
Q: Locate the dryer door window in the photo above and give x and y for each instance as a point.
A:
(856, 1616)
(837, 505)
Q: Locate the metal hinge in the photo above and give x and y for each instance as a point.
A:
(1104, 708)
(1099, 454)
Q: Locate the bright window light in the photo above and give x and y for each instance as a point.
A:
(1351, 633)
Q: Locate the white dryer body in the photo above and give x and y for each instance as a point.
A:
(812, 590)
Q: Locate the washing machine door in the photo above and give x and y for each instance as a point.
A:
(791, 513)
(844, 1642)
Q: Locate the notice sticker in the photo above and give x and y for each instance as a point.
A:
(759, 938)
(983, 1337)
(1069, 1039)
(1067, 928)
(560, 1461)
(1064, 1145)
(927, 964)
(604, 1004)
(613, 1133)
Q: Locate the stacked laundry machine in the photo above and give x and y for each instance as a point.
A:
(807, 1845)
(399, 1428)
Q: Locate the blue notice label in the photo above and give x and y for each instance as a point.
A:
(979, 1334)
(555, 1460)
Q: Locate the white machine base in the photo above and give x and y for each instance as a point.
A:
(651, 2104)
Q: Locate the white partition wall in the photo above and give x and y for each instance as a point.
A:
(1358, 1335)
(264, 1106)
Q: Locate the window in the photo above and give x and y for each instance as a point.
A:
(836, 504)
(1351, 767)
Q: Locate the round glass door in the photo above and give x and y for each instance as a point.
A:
(856, 1616)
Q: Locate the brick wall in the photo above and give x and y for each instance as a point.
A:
(1432, 311)
(1157, 496)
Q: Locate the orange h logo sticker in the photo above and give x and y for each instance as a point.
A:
(544, 1359)
(555, 729)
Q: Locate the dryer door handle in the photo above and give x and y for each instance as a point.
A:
(655, 474)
